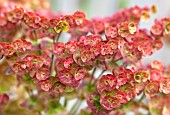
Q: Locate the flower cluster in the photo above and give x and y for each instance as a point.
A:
(29, 42)
(116, 89)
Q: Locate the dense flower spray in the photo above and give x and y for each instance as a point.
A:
(46, 69)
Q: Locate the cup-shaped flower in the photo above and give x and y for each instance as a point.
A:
(108, 102)
(157, 29)
(123, 29)
(141, 76)
(42, 74)
(12, 59)
(62, 26)
(8, 50)
(111, 32)
(79, 17)
(17, 44)
(34, 61)
(132, 27)
(57, 89)
(113, 44)
(87, 55)
(165, 86)
(58, 48)
(72, 45)
(129, 90)
(145, 15)
(46, 59)
(106, 82)
(92, 40)
(130, 52)
(65, 77)
(16, 67)
(152, 88)
(97, 26)
(68, 62)
(45, 85)
(18, 12)
(106, 49)
(158, 44)
(79, 73)
(11, 17)
(122, 79)
(155, 75)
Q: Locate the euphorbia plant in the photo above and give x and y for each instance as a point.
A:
(44, 70)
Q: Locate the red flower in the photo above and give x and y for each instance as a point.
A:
(33, 61)
(165, 86)
(158, 65)
(65, 77)
(128, 90)
(157, 29)
(106, 49)
(58, 87)
(92, 40)
(87, 55)
(42, 74)
(18, 12)
(46, 59)
(8, 50)
(155, 75)
(21, 45)
(106, 82)
(45, 85)
(108, 102)
(72, 45)
(97, 26)
(111, 32)
(16, 67)
(123, 30)
(58, 48)
(68, 62)
(80, 73)
(152, 88)
(79, 17)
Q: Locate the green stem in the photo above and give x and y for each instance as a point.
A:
(99, 76)
(142, 97)
(118, 59)
(51, 66)
(65, 102)
(52, 57)
(76, 109)
(92, 75)
(74, 106)
(59, 34)
(94, 70)
(36, 40)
